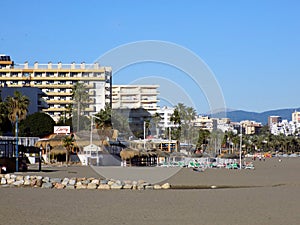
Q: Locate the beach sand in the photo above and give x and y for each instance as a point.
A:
(270, 194)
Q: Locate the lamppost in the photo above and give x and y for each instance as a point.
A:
(91, 136)
(17, 146)
(144, 135)
(48, 148)
(241, 142)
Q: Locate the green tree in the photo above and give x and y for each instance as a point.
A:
(176, 120)
(36, 125)
(5, 124)
(104, 123)
(80, 96)
(156, 118)
(17, 106)
(68, 143)
(203, 136)
(120, 123)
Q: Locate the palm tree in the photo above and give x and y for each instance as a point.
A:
(104, 124)
(175, 118)
(80, 97)
(120, 123)
(17, 107)
(68, 143)
(190, 116)
(156, 119)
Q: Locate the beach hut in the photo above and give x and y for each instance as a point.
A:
(134, 157)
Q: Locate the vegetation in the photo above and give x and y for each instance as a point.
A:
(36, 125)
(182, 120)
(103, 123)
(17, 106)
(14, 109)
(80, 97)
(68, 143)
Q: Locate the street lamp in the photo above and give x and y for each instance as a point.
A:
(17, 146)
(91, 136)
(144, 135)
(241, 141)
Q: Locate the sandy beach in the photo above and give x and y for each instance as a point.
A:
(267, 195)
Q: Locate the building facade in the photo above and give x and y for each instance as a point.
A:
(296, 117)
(57, 81)
(135, 96)
(37, 103)
(273, 120)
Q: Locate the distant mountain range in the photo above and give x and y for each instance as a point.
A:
(239, 115)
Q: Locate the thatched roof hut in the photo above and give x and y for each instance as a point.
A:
(128, 153)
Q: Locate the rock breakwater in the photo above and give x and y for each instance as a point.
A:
(35, 181)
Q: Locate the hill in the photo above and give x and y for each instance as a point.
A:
(239, 115)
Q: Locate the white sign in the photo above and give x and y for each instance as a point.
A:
(61, 129)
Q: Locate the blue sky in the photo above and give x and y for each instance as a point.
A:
(252, 47)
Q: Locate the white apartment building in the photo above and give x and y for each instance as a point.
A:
(251, 127)
(296, 117)
(135, 96)
(285, 127)
(57, 81)
(203, 122)
(165, 113)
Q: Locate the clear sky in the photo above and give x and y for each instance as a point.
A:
(252, 47)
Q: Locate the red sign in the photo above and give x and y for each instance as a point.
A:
(61, 129)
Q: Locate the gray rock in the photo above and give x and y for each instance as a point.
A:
(55, 180)
(33, 182)
(59, 186)
(157, 187)
(103, 181)
(110, 182)
(140, 187)
(46, 179)
(72, 182)
(104, 187)
(134, 183)
(70, 187)
(19, 178)
(3, 181)
(47, 185)
(166, 186)
(95, 181)
(27, 182)
(65, 181)
(149, 187)
(18, 183)
(38, 183)
(85, 182)
(116, 186)
(127, 186)
(91, 186)
(10, 181)
(120, 182)
(79, 185)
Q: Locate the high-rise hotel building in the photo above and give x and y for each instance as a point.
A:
(57, 81)
(135, 96)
